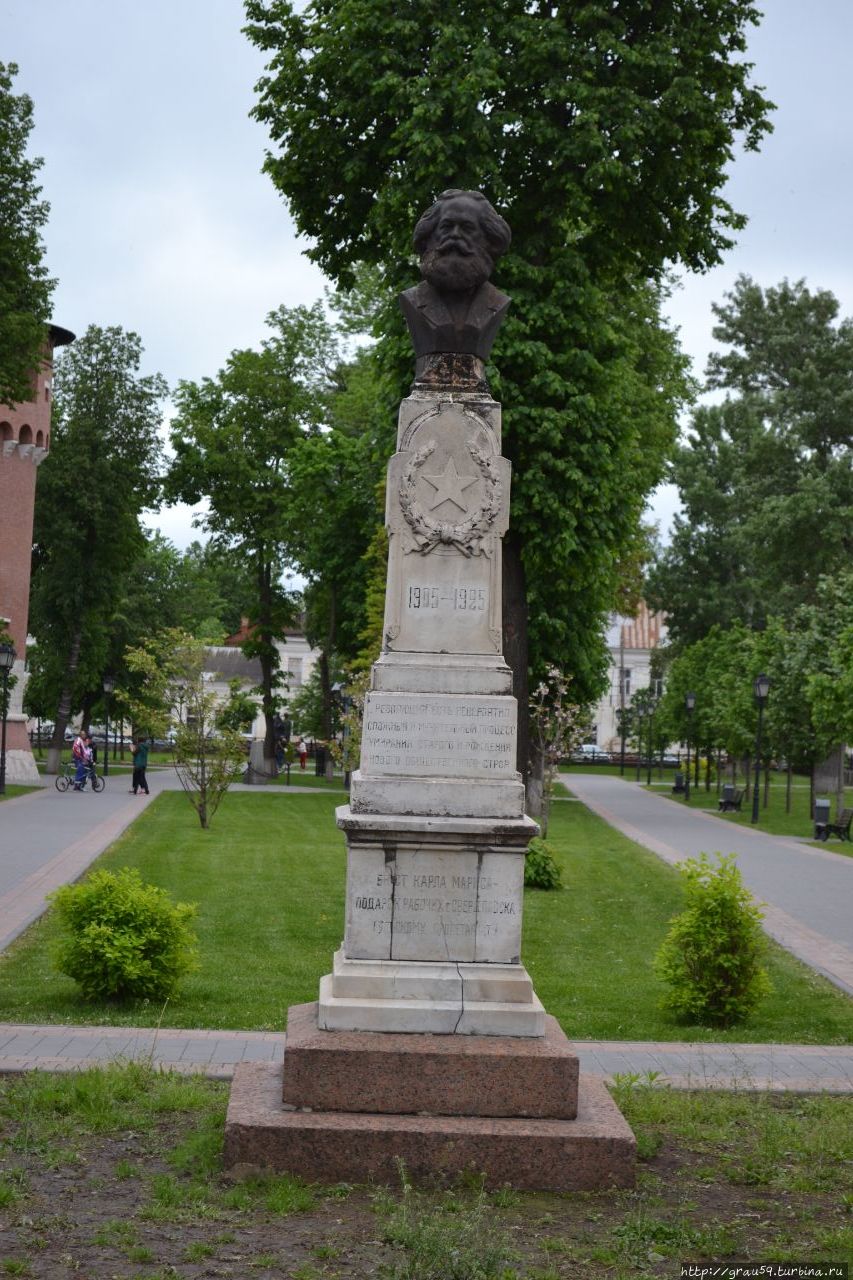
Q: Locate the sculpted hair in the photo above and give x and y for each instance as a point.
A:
(493, 226)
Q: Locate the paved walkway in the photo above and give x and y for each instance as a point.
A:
(807, 893)
(801, 1068)
(47, 839)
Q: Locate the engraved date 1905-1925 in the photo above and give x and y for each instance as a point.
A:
(470, 599)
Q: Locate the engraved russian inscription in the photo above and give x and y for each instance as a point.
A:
(442, 735)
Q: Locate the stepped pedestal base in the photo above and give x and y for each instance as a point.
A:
(440, 1074)
(595, 1150)
(441, 999)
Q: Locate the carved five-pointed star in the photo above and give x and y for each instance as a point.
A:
(450, 486)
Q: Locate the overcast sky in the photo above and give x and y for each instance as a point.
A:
(161, 220)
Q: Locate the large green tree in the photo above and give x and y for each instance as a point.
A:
(766, 477)
(334, 514)
(101, 472)
(602, 133)
(25, 288)
(233, 437)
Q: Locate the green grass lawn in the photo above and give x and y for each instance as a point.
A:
(12, 790)
(269, 879)
(310, 779)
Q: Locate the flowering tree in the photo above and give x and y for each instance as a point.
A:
(557, 727)
(209, 752)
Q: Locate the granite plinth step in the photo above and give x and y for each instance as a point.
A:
(436, 1017)
(594, 1151)
(440, 1075)
(419, 980)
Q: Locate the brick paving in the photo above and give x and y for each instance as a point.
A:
(755, 1067)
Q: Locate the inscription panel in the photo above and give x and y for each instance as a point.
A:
(445, 602)
(438, 735)
(434, 906)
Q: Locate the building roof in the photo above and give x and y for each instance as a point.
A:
(231, 664)
(645, 631)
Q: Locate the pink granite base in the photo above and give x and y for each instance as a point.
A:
(388, 1073)
(595, 1150)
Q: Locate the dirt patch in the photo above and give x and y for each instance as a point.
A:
(152, 1202)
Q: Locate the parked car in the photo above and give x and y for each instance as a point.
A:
(588, 752)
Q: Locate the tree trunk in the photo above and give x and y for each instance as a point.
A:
(331, 636)
(788, 779)
(708, 754)
(747, 769)
(326, 691)
(811, 792)
(63, 710)
(515, 653)
(537, 800)
(269, 663)
(719, 771)
(86, 712)
(766, 784)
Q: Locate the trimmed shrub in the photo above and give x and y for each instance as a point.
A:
(124, 938)
(711, 957)
(541, 869)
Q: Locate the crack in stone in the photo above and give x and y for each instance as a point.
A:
(390, 852)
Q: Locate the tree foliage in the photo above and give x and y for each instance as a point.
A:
(25, 288)
(101, 472)
(171, 692)
(766, 477)
(602, 133)
(234, 437)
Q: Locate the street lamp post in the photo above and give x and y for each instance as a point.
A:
(7, 661)
(652, 709)
(689, 707)
(639, 714)
(109, 685)
(761, 688)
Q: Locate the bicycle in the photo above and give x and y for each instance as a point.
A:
(67, 779)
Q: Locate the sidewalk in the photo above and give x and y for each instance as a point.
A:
(806, 894)
(754, 1067)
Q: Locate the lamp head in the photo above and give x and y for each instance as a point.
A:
(7, 657)
(689, 702)
(761, 686)
(109, 684)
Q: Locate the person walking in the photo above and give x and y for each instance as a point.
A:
(140, 764)
(80, 758)
(302, 752)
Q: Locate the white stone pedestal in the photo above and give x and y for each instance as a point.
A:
(436, 830)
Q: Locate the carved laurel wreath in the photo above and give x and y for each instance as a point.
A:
(467, 536)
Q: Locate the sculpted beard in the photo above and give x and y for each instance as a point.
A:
(450, 271)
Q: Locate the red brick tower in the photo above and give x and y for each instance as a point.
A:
(24, 442)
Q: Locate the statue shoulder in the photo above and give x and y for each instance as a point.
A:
(493, 298)
(415, 298)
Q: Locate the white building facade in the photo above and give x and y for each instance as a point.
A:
(631, 643)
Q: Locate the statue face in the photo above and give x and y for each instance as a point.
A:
(457, 257)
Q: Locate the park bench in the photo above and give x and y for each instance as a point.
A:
(730, 800)
(841, 828)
